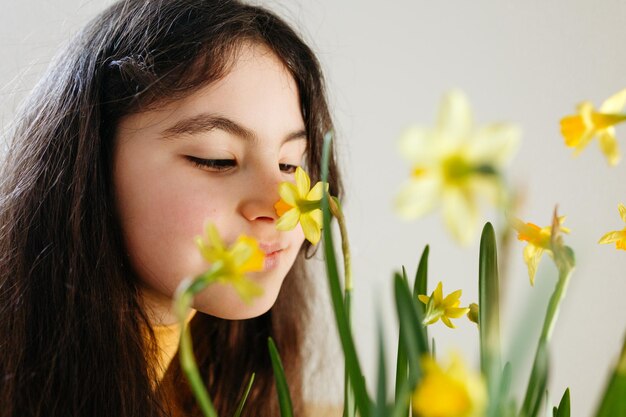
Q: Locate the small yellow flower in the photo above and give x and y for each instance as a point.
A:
(300, 204)
(453, 164)
(539, 241)
(579, 129)
(233, 263)
(450, 392)
(438, 307)
(618, 236)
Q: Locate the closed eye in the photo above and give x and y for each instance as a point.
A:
(217, 165)
(287, 168)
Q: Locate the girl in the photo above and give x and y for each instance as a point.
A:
(160, 116)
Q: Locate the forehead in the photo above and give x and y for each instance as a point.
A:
(257, 91)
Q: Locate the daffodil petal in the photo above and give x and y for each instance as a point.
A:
(317, 191)
(448, 322)
(460, 214)
(415, 144)
(417, 197)
(455, 313)
(532, 256)
(622, 211)
(423, 298)
(611, 237)
(609, 147)
(303, 183)
(438, 293)
(311, 229)
(214, 237)
(317, 216)
(494, 144)
(288, 193)
(615, 103)
(455, 116)
(289, 220)
(246, 289)
(452, 298)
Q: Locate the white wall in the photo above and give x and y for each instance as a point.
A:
(387, 67)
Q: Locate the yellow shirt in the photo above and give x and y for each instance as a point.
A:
(167, 337)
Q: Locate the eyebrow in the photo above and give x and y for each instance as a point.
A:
(206, 122)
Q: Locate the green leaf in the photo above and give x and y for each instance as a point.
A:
(363, 401)
(349, 407)
(537, 383)
(420, 286)
(612, 403)
(380, 409)
(284, 398)
(402, 368)
(242, 403)
(489, 315)
(411, 329)
(563, 410)
(421, 277)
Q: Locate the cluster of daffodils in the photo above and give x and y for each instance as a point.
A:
(454, 164)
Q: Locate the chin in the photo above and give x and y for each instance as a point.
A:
(232, 307)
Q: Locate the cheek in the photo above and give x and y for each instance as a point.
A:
(161, 214)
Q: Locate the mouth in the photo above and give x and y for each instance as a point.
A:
(273, 254)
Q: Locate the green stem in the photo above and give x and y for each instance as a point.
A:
(182, 305)
(539, 364)
(335, 209)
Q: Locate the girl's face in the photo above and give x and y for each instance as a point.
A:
(216, 156)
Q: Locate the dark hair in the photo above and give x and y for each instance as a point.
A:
(71, 324)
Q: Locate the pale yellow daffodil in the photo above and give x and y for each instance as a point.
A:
(539, 241)
(299, 203)
(452, 164)
(438, 307)
(449, 392)
(579, 129)
(231, 264)
(619, 236)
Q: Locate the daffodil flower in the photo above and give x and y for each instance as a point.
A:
(299, 203)
(539, 241)
(231, 264)
(579, 129)
(452, 164)
(438, 307)
(449, 392)
(619, 236)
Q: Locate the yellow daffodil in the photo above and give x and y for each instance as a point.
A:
(452, 164)
(619, 236)
(299, 203)
(579, 129)
(438, 307)
(449, 392)
(539, 241)
(234, 262)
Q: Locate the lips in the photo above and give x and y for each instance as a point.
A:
(272, 255)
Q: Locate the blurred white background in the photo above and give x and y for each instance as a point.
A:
(387, 66)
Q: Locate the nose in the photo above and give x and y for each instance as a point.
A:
(260, 195)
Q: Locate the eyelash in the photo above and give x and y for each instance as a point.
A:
(222, 165)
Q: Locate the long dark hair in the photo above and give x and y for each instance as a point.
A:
(71, 323)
